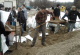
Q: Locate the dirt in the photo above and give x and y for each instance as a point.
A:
(52, 39)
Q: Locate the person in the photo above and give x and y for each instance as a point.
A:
(72, 16)
(9, 21)
(65, 15)
(1, 7)
(57, 12)
(21, 18)
(25, 15)
(41, 19)
(53, 26)
(52, 7)
(2, 31)
(12, 16)
(63, 8)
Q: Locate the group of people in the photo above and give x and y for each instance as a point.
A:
(40, 18)
(70, 13)
(21, 17)
(72, 16)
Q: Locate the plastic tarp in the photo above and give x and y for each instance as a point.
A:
(4, 18)
(4, 46)
(23, 38)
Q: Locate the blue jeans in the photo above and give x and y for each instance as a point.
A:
(14, 23)
(71, 26)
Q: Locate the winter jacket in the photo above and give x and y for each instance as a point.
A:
(14, 13)
(12, 16)
(57, 12)
(25, 13)
(65, 15)
(20, 17)
(72, 16)
(42, 16)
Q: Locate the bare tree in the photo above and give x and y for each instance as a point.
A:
(48, 4)
(20, 2)
(77, 3)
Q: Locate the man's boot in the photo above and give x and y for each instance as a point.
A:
(32, 45)
(43, 44)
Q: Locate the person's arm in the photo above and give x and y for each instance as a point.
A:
(69, 14)
(52, 18)
(18, 16)
(14, 13)
(37, 16)
(48, 12)
(64, 17)
(78, 14)
(2, 29)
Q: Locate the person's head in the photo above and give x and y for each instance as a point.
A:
(13, 8)
(1, 7)
(19, 9)
(58, 5)
(23, 6)
(43, 7)
(73, 7)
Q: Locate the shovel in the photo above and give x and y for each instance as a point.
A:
(29, 32)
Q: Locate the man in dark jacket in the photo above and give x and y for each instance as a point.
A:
(72, 16)
(21, 18)
(25, 15)
(41, 19)
(57, 12)
(13, 16)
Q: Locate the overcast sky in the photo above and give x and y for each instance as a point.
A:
(63, 0)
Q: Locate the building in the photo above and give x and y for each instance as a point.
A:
(16, 3)
(8, 1)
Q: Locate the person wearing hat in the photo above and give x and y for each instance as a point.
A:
(72, 16)
(25, 15)
(41, 19)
